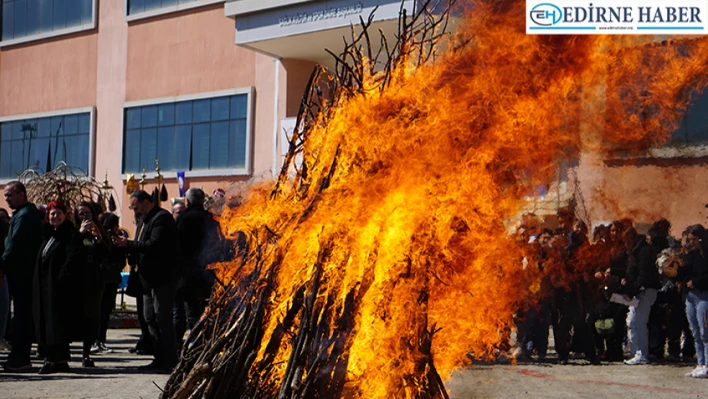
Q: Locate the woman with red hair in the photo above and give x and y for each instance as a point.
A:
(56, 265)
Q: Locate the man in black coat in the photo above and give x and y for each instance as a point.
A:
(158, 263)
(24, 237)
(200, 241)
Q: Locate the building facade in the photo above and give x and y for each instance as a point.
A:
(109, 86)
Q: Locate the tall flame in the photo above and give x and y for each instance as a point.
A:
(412, 229)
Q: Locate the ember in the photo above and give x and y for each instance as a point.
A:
(386, 259)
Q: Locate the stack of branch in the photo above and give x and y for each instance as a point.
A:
(231, 352)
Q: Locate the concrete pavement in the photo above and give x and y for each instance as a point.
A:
(115, 376)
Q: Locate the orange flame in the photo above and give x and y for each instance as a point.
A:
(431, 169)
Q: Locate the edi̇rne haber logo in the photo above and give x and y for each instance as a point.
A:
(625, 17)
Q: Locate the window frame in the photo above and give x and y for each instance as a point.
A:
(245, 171)
(166, 10)
(55, 33)
(92, 132)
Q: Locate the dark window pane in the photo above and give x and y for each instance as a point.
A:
(219, 152)
(70, 151)
(237, 144)
(8, 20)
(86, 11)
(85, 123)
(17, 132)
(202, 111)
(29, 128)
(239, 106)
(32, 17)
(46, 16)
(148, 149)
(5, 131)
(166, 147)
(184, 112)
(77, 152)
(132, 116)
(59, 14)
(149, 117)
(166, 114)
(71, 124)
(136, 6)
(168, 3)
(20, 17)
(57, 126)
(183, 147)
(61, 147)
(17, 161)
(6, 160)
(132, 151)
(83, 145)
(200, 145)
(43, 127)
(152, 4)
(73, 13)
(220, 109)
(38, 153)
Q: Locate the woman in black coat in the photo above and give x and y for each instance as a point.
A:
(55, 271)
(93, 250)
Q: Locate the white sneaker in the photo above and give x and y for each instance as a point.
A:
(4, 346)
(694, 371)
(636, 360)
(701, 373)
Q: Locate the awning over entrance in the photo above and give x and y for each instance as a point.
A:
(303, 29)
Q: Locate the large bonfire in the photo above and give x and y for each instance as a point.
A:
(385, 260)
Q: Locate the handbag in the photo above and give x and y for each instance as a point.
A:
(135, 287)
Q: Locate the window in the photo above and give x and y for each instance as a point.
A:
(27, 18)
(694, 125)
(191, 135)
(145, 6)
(42, 142)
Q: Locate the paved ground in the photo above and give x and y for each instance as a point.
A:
(577, 380)
(117, 377)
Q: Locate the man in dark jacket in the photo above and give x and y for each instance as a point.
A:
(22, 243)
(200, 241)
(158, 263)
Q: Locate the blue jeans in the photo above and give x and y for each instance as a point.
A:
(696, 308)
(637, 320)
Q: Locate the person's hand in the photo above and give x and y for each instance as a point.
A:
(90, 227)
(690, 284)
(120, 241)
(84, 227)
(624, 281)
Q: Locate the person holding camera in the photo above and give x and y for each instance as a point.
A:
(93, 249)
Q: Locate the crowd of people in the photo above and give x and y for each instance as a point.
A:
(62, 270)
(616, 288)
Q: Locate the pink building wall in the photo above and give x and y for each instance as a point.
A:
(186, 53)
(677, 192)
(50, 75)
(110, 92)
